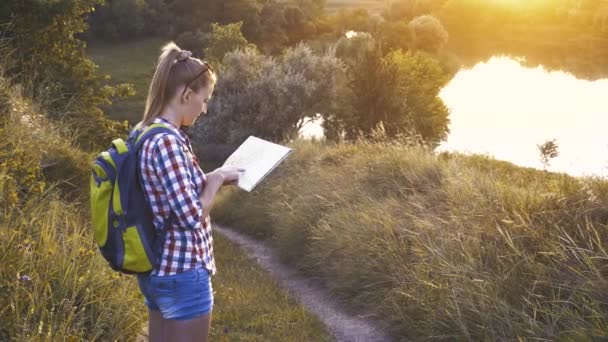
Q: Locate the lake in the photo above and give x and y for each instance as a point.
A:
(503, 109)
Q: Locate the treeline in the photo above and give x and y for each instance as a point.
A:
(282, 63)
(270, 24)
(568, 35)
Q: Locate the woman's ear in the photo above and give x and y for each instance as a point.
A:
(186, 96)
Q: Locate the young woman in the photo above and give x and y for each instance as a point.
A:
(178, 291)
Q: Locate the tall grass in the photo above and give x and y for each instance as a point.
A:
(53, 284)
(442, 246)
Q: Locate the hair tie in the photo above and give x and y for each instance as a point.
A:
(183, 55)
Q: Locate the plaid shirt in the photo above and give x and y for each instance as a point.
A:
(166, 162)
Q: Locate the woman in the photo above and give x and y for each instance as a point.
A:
(178, 291)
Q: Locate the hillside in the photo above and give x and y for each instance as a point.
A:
(439, 246)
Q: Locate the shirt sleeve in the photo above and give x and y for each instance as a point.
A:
(174, 174)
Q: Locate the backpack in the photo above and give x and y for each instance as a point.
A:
(121, 216)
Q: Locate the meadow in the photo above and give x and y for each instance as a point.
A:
(124, 66)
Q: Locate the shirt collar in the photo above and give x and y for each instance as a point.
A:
(168, 123)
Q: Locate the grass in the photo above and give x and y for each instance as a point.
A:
(54, 284)
(250, 306)
(125, 66)
(442, 247)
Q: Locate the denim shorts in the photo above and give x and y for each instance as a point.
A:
(179, 296)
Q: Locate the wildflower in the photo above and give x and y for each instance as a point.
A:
(25, 278)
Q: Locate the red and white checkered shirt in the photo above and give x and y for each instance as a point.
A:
(166, 162)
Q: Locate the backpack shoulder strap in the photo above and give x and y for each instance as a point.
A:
(149, 132)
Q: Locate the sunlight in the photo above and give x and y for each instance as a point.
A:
(504, 109)
(523, 3)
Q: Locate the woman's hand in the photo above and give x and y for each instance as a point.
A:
(215, 179)
(229, 174)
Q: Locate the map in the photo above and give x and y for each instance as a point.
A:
(258, 157)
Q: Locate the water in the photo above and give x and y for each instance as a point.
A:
(503, 109)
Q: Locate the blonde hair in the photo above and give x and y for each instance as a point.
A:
(175, 68)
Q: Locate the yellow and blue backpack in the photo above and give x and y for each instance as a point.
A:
(121, 216)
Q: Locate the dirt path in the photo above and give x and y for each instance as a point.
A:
(345, 327)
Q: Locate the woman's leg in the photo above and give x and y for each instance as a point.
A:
(191, 330)
(156, 326)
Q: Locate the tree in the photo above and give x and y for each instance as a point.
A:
(548, 150)
(269, 97)
(428, 34)
(399, 91)
(224, 39)
(50, 62)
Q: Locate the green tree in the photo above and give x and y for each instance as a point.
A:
(269, 97)
(428, 34)
(398, 91)
(50, 62)
(223, 39)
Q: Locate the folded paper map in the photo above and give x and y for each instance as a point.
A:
(258, 157)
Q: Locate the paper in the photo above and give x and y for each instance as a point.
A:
(258, 157)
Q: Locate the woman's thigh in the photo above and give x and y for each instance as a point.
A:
(156, 326)
(191, 330)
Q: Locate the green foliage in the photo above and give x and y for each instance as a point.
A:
(196, 42)
(428, 33)
(399, 91)
(559, 35)
(54, 285)
(269, 97)
(271, 25)
(50, 63)
(439, 246)
(224, 39)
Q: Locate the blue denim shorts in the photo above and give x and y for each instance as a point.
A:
(179, 296)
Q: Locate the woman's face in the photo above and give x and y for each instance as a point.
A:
(196, 104)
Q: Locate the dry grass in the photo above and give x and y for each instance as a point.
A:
(440, 246)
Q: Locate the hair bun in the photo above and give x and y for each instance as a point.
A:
(183, 55)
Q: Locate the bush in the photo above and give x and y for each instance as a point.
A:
(196, 42)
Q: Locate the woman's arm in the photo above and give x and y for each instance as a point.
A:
(214, 183)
